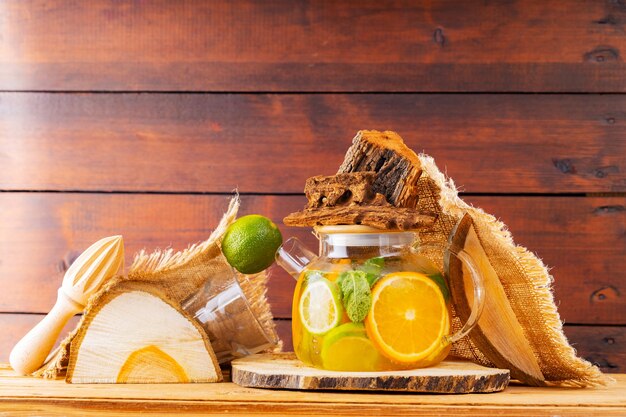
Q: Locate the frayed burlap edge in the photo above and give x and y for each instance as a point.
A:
(539, 317)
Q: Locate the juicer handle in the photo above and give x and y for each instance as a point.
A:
(478, 301)
(30, 353)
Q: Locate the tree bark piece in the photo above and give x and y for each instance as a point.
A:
(388, 218)
(349, 199)
(396, 165)
(341, 189)
(285, 371)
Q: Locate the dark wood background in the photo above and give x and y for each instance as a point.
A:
(141, 117)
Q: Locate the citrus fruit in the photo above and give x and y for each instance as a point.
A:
(250, 243)
(347, 348)
(320, 306)
(409, 317)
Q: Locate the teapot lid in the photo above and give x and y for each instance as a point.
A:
(360, 235)
(347, 228)
(354, 228)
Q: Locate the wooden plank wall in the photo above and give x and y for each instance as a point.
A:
(140, 118)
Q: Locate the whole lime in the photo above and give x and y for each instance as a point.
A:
(250, 243)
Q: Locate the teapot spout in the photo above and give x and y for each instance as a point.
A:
(293, 256)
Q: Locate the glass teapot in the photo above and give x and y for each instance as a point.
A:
(373, 300)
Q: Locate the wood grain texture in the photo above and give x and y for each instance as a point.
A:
(82, 408)
(30, 396)
(284, 45)
(285, 371)
(272, 143)
(136, 334)
(602, 345)
(41, 233)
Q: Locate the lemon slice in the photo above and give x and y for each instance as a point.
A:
(320, 306)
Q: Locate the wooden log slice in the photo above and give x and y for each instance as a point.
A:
(498, 334)
(285, 371)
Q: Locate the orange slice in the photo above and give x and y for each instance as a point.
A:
(409, 317)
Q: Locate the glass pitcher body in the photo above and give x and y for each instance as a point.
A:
(371, 301)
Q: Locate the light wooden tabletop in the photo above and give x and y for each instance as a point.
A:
(27, 396)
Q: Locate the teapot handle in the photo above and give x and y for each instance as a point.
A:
(478, 302)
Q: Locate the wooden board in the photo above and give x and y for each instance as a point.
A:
(40, 233)
(35, 397)
(489, 143)
(285, 371)
(287, 45)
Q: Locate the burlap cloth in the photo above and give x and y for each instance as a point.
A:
(177, 275)
(524, 277)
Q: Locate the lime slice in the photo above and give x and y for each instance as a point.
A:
(320, 306)
(347, 348)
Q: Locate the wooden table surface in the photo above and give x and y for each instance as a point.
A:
(29, 396)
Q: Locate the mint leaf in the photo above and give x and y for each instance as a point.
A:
(373, 265)
(356, 294)
(372, 279)
(373, 268)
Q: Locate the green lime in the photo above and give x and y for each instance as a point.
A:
(347, 348)
(250, 243)
(320, 306)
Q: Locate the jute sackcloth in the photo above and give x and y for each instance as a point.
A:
(524, 277)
